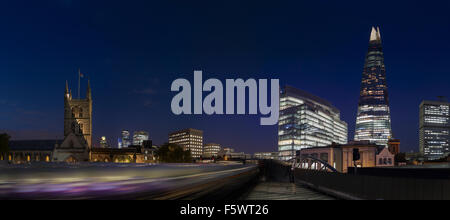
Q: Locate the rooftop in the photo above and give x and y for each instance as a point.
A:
(298, 93)
(33, 145)
(190, 130)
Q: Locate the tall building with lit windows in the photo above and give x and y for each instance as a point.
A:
(307, 121)
(373, 122)
(189, 139)
(434, 129)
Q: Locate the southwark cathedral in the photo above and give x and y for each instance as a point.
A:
(77, 129)
(77, 144)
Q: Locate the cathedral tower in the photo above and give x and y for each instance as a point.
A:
(78, 116)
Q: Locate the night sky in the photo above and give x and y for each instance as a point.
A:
(133, 50)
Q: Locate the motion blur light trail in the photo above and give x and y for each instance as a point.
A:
(111, 181)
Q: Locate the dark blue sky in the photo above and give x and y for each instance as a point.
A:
(133, 50)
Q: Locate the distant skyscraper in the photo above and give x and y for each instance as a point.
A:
(189, 139)
(119, 143)
(125, 139)
(139, 137)
(373, 122)
(307, 121)
(434, 130)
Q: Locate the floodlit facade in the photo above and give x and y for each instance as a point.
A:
(139, 137)
(189, 139)
(434, 130)
(373, 122)
(307, 121)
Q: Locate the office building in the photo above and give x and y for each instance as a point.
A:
(189, 139)
(434, 129)
(125, 139)
(307, 121)
(211, 150)
(139, 137)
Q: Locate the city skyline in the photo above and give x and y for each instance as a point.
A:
(133, 78)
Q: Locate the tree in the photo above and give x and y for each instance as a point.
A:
(4, 144)
(173, 153)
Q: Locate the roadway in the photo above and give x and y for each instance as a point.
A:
(102, 181)
(127, 181)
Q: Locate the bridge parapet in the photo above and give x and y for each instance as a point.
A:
(312, 163)
(375, 187)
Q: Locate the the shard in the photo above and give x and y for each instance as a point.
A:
(373, 122)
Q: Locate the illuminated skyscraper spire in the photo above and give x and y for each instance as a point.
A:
(373, 122)
(375, 35)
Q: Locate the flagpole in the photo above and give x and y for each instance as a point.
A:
(79, 75)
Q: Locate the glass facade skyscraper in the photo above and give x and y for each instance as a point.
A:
(307, 121)
(434, 130)
(373, 122)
